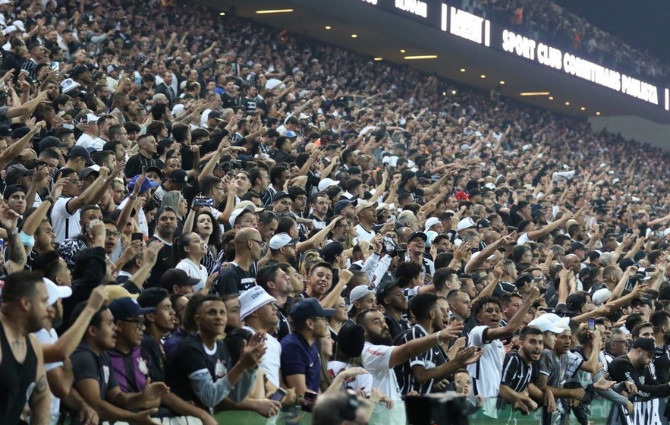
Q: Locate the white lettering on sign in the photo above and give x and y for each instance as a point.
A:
(374, 2)
(590, 71)
(415, 7)
(578, 67)
(522, 46)
(636, 88)
(549, 56)
(466, 25)
(443, 17)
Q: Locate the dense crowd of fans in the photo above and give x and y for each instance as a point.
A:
(201, 214)
(547, 21)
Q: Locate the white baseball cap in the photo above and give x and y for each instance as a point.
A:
(432, 221)
(241, 207)
(56, 292)
(326, 183)
(253, 299)
(465, 223)
(357, 293)
(280, 240)
(545, 324)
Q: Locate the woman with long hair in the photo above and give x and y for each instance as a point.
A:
(209, 231)
(189, 252)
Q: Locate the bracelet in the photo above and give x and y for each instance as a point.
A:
(51, 200)
(437, 336)
(132, 197)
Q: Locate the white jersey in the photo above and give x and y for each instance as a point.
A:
(487, 372)
(65, 225)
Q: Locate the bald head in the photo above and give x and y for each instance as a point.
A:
(248, 246)
(571, 261)
(491, 237)
(243, 236)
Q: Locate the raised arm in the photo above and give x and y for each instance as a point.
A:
(67, 342)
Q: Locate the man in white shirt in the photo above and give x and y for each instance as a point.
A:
(487, 372)
(65, 210)
(365, 210)
(88, 124)
(259, 312)
(380, 357)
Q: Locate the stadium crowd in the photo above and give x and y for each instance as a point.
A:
(201, 214)
(548, 21)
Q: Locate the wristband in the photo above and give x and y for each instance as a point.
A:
(437, 336)
(26, 240)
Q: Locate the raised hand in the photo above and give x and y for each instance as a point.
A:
(253, 351)
(97, 298)
(151, 253)
(8, 218)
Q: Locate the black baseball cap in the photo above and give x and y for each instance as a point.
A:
(80, 151)
(50, 142)
(647, 344)
(12, 189)
(332, 250)
(383, 288)
(126, 307)
(177, 277)
(308, 309)
(414, 235)
(180, 177)
(280, 195)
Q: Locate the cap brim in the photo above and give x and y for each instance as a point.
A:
(191, 281)
(146, 310)
(328, 312)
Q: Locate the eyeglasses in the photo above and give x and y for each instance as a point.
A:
(138, 322)
(260, 243)
(111, 233)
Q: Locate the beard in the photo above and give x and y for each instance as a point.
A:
(381, 339)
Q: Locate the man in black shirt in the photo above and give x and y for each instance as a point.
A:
(392, 298)
(241, 274)
(166, 226)
(518, 369)
(201, 371)
(93, 380)
(22, 362)
(145, 158)
(428, 372)
(410, 184)
(661, 322)
(159, 324)
(634, 368)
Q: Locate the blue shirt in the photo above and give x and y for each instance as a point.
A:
(299, 358)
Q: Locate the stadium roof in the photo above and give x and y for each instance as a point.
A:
(382, 31)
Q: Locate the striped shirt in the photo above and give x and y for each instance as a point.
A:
(429, 359)
(516, 373)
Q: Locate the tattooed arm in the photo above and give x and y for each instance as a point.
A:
(40, 399)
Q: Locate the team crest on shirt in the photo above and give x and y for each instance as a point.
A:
(220, 369)
(142, 366)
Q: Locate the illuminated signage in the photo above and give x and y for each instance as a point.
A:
(469, 26)
(465, 25)
(415, 7)
(573, 65)
(476, 29)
